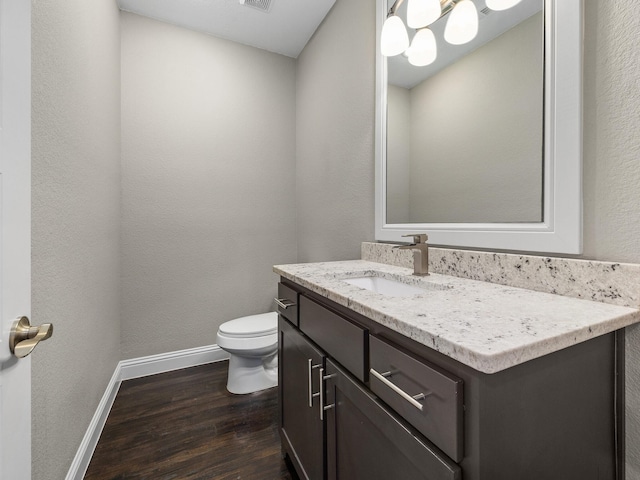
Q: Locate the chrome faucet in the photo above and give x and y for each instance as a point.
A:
(420, 253)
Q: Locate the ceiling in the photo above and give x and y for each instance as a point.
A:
(285, 28)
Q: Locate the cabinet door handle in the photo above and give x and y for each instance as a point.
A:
(284, 303)
(324, 407)
(311, 394)
(413, 400)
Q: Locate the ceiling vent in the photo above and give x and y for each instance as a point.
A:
(262, 5)
(484, 12)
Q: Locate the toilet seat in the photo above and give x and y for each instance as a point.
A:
(252, 326)
(248, 344)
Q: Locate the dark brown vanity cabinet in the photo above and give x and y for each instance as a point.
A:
(362, 402)
(332, 426)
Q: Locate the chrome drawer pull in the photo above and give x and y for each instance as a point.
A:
(413, 400)
(324, 407)
(284, 303)
(311, 394)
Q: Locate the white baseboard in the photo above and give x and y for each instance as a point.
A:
(126, 370)
(88, 445)
(166, 362)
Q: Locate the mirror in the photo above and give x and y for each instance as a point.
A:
(482, 148)
(464, 134)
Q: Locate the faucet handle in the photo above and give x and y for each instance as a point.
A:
(418, 237)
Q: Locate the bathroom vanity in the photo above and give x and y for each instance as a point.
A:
(444, 385)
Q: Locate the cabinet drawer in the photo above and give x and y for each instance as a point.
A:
(343, 340)
(287, 303)
(438, 416)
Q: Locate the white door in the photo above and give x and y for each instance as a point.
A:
(15, 233)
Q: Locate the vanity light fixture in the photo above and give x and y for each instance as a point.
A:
(461, 27)
(423, 50)
(394, 38)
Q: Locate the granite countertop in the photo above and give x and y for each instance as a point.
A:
(486, 326)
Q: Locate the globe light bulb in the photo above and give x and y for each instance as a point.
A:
(501, 4)
(462, 26)
(394, 38)
(421, 13)
(423, 50)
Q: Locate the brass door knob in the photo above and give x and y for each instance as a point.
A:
(24, 338)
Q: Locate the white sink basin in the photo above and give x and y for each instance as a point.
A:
(385, 286)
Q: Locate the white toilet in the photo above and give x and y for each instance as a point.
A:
(252, 343)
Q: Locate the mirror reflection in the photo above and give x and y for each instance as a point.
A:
(465, 133)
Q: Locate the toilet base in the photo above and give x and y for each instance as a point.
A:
(252, 374)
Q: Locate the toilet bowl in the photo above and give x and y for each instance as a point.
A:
(252, 343)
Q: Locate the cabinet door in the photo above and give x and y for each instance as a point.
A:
(301, 428)
(365, 441)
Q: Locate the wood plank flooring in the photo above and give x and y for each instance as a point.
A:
(185, 425)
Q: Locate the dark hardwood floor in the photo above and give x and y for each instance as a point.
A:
(185, 425)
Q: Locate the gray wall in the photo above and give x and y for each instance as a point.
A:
(75, 220)
(208, 168)
(335, 130)
(612, 164)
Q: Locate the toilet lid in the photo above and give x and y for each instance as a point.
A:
(252, 326)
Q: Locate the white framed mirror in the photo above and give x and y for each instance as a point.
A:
(522, 194)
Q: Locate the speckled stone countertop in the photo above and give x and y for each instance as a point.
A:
(487, 326)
